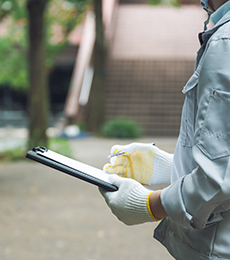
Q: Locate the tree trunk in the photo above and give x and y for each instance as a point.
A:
(38, 92)
(96, 105)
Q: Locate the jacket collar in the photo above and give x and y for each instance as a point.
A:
(220, 12)
(206, 35)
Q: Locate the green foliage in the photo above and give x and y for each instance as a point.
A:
(13, 63)
(12, 7)
(60, 19)
(60, 145)
(121, 128)
(175, 3)
(13, 44)
(154, 2)
(61, 16)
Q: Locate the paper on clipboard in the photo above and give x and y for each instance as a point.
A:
(95, 172)
(71, 167)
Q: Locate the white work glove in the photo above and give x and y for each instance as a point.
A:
(144, 163)
(130, 203)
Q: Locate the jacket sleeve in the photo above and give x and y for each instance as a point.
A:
(197, 199)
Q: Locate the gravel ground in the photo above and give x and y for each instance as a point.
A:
(47, 215)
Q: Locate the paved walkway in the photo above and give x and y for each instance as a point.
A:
(47, 215)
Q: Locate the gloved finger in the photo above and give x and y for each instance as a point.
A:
(115, 170)
(106, 167)
(124, 148)
(116, 149)
(103, 192)
(112, 179)
(120, 181)
(130, 147)
(119, 160)
(120, 148)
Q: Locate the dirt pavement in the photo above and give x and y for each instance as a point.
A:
(47, 215)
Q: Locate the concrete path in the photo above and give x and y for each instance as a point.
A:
(47, 215)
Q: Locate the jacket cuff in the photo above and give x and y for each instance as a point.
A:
(172, 201)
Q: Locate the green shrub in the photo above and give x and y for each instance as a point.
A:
(175, 3)
(154, 2)
(121, 128)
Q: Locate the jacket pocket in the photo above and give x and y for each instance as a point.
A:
(214, 139)
(186, 137)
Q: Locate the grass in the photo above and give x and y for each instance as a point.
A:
(55, 144)
(15, 154)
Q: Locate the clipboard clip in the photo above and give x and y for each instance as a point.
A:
(40, 149)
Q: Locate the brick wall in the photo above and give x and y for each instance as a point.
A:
(148, 91)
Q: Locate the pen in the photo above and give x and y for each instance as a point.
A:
(116, 154)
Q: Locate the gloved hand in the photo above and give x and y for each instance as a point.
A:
(145, 163)
(130, 203)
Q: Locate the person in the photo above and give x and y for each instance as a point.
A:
(195, 208)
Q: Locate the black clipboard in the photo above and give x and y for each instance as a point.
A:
(72, 167)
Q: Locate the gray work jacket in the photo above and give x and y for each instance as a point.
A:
(198, 200)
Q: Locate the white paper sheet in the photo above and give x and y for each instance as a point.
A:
(90, 170)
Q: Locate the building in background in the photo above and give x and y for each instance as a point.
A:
(151, 55)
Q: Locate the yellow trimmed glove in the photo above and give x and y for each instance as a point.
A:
(130, 203)
(144, 163)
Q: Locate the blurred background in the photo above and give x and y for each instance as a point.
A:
(79, 76)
